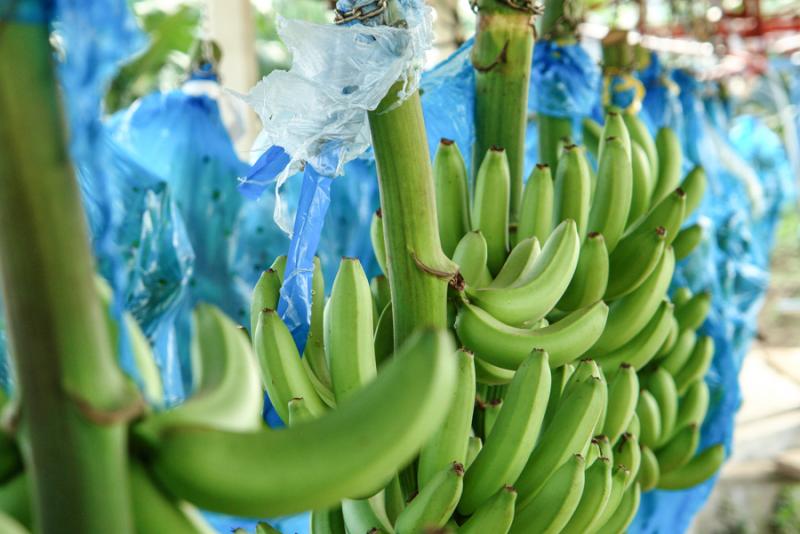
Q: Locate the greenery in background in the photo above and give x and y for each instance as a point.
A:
(175, 28)
(787, 511)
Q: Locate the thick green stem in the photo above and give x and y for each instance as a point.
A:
(502, 61)
(419, 272)
(75, 401)
(557, 24)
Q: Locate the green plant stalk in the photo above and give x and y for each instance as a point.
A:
(502, 57)
(419, 272)
(75, 401)
(553, 130)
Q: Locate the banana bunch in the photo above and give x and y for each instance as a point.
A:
(587, 379)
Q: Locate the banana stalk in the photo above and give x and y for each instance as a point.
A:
(554, 130)
(419, 272)
(75, 400)
(502, 61)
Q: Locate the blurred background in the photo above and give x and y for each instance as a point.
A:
(736, 42)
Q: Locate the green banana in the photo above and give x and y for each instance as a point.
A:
(641, 135)
(629, 315)
(551, 508)
(449, 443)
(573, 189)
(314, 352)
(699, 469)
(693, 405)
(263, 527)
(623, 391)
(667, 213)
(691, 314)
(495, 515)
(383, 340)
(328, 521)
(298, 411)
(635, 428)
(594, 452)
(650, 471)
(671, 339)
(282, 370)
(592, 133)
(490, 208)
(649, 419)
(612, 199)
(353, 450)
(519, 264)
(645, 345)
(490, 414)
(628, 453)
(452, 195)
(394, 499)
(596, 491)
(514, 435)
(670, 159)
(549, 277)
(559, 378)
(378, 241)
(227, 394)
(153, 511)
(634, 259)
(349, 347)
(615, 127)
(474, 446)
(577, 415)
(435, 503)
(279, 266)
(681, 296)
(679, 449)
(623, 516)
(687, 240)
(381, 292)
(486, 373)
(662, 386)
(506, 346)
(470, 255)
(361, 515)
(143, 357)
(695, 186)
(591, 276)
(606, 450)
(643, 184)
(697, 366)
(15, 500)
(9, 525)
(536, 211)
(620, 477)
(677, 357)
(265, 295)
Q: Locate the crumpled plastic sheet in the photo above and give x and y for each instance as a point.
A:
(733, 263)
(565, 80)
(180, 137)
(623, 91)
(338, 74)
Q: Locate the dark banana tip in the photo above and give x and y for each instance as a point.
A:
(571, 146)
(495, 402)
(510, 489)
(458, 469)
(457, 282)
(445, 141)
(542, 166)
(625, 366)
(612, 138)
(267, 310)
(379, 213)
(661, 231)
(497, 148)
(680, 192)
(594, 235)
(465, 350)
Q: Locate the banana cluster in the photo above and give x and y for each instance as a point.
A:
(579, 382)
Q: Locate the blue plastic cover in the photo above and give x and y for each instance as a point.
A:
(565, 80)
(661, 104)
